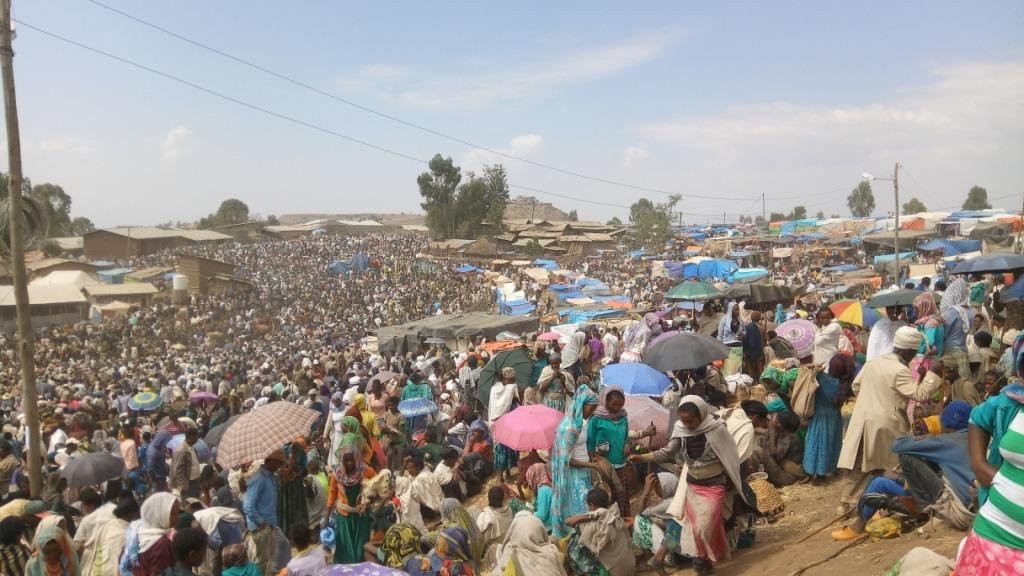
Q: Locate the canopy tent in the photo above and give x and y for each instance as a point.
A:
(761, 294)
(356, 263)
(994, 234)
(747, 275)
(891, 257)
(402, 338)
(469, 269)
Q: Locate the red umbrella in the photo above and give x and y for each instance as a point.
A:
(549, 337)
(528, 427)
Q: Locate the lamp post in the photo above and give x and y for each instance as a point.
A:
(896, 232)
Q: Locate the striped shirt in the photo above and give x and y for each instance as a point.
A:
(1001, 518)
(13, 558)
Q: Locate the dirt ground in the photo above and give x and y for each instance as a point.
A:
(810, 507)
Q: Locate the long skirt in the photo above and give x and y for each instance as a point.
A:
(981, 557)
(649, 536)
(823, 441)
(555, 402)
(352, 532)
(582, 561)
(575, 500)
(505, 458)
(703, 530)
(292, 506)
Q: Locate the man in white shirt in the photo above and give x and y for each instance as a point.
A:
(827, 335)
(880, 340)
(417, 487)
(610, 342)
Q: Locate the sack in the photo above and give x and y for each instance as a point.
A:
(949, 507)
(802, 397)
(883, 528)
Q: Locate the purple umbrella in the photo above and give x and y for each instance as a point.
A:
(198, 397)
(361, 569)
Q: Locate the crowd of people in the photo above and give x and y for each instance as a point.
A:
(917, 416)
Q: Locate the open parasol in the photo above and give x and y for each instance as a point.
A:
(213, 437)
(491, 372)
(798, 332)
(145, 401)
(266, 429)
(641, 412)
(636, 379)
(416, 407)
(549, 337)
(91, 469)
(684, 351)
(855, 312)
(528, 427)
(693, 291)
(904, 297)
(989, 263)
(199, 397)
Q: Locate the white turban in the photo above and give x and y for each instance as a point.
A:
(907, 338)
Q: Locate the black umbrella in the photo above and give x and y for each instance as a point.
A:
(516, 358)
(684, 351)
(988, 263)
(91, 469)
(213, 437)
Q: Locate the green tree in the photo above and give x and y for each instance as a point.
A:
(913, 206)
(26, 186)
(471, 206)
(81, 225)
(820, 215)
(614, 221)
(861, 200)
(776, 217)
(533, 248)
(50, 248)
(437, 188)
(798, 213)
(652, 223)
(272, 220)
(977, 199)
(496, 180)
(759, 221)
(231, 211)
(573, 216)
(56, 206)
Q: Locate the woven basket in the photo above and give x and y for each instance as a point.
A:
(769, 501)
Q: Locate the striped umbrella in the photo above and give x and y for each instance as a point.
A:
(145, 401)
(416, 407)
(855, 312)
(262, 431)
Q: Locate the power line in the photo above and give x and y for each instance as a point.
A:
(281, 116)
(408, 123)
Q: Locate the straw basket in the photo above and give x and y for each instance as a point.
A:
(769, 501)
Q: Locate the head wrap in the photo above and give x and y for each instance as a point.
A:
(775, 405)
(537, 475)
(603, 411)
(508, 372)
(907, 338)
(925, 306)
(68, 557)
(234, 555)
(400, 542)
(156, 519)
(956, 415)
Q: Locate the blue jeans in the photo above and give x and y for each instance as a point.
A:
(880, 485)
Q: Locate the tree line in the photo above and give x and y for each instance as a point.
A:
(457, 207)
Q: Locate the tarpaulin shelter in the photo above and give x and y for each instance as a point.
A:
(710, 268)
(892, 257)
(747, 275)
(468, 269)
(402, 338)
(517, 308)
(993, 234)
(546, 264)
(113, 275)
(951, 247)
(762, 294)
(356, 263)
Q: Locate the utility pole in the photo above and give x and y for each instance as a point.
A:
(26, 354)
(896, 232)
(1020, 247)
(764, 218)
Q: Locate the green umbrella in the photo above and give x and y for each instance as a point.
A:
(693, 291)
(517, 358)
(904, 297)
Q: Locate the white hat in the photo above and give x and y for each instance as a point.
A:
(907, 338)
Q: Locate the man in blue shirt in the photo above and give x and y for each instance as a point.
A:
(260, 509)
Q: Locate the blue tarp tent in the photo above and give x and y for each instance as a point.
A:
(359, 262)
(890, 257)
(113, 275)
(337, 268)
(577, 316)
(951, 247)
(546, 264)
(841, 268)
(637, 254)
(747, 275)
(517, 308)
(710, 269)
(468, 269)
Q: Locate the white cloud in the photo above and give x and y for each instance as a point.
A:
(521, 146)
(174, 143)
(966, 125)
(632, 155)
(533, 79)
(68, 145)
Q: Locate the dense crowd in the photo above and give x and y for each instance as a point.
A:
(883, 411)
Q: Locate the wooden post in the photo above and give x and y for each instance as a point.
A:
(26, 355)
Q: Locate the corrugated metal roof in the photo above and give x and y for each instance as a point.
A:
(52, 294)
(360, 222)
(154, 233)
(129, 289)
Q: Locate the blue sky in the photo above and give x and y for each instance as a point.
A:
(724, 100)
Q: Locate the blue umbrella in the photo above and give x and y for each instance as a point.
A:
(986, 263)
(202, 450)
(145, 401)
(636, 379)
(416, 407)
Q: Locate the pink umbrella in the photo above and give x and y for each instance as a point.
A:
(549, 337)
(199, 397)
(528, 427)
(641, 411)
(799, 333)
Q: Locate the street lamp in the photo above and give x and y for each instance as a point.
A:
(896, 233)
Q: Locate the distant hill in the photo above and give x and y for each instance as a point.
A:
(386, 219)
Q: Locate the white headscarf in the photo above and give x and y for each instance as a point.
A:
(528, 542)
(156, 519)
(571, 353)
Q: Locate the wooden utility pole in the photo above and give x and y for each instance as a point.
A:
(896, 232)
(26, 353)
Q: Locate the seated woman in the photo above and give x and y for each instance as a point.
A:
(701, 440)
(526, 550)
(53, 554)
(451, 556)
(538, 478)
(453, 515)
(654, 530)
(450, 474)
(783, 456)
(401, 542)
(478, 457)
(601, 544)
